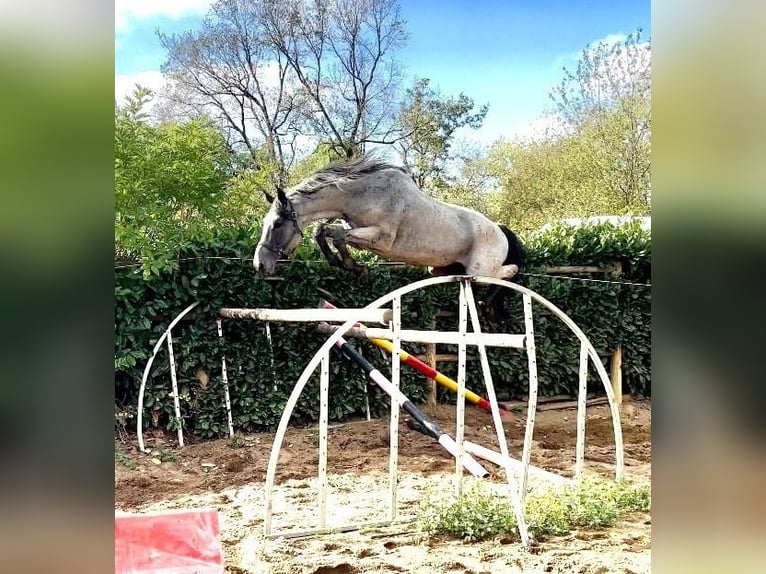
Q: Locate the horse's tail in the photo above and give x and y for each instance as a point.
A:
(515, 248)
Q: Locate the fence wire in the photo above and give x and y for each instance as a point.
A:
(394, 264)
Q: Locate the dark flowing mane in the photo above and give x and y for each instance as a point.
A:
(345, 170)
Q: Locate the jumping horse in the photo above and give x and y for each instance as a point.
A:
(386, 213)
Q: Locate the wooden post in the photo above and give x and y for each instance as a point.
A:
(430, 360)
(616, 373)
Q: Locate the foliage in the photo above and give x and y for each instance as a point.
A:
(476, 515)
(428, 123)
(124, 459)
(595, 158)
(262, 374)
(480, 514)
(171, 185)
(606, 102)
(607, 74)
(574, 176)
(594, 503)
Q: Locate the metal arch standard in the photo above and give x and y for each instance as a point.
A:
(157, 345)
(592, 353)
(341, 330)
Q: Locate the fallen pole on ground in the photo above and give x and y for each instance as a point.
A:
(509, 463)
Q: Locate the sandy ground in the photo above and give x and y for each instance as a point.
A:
(229, 476)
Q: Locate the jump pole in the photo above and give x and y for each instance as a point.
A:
(429, 427)
(425, 369)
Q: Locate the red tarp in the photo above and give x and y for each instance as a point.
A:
(183, 542)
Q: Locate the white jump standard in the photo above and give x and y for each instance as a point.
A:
(516, 471)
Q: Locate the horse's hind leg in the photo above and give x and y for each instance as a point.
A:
(508, 272)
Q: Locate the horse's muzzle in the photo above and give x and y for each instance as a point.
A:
(263, 264)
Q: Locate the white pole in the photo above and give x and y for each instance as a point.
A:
(460, 409)
(324, 391)
(225, 377)
(516, 501)
(176, 399)
(145, 377)
(582, 397)
(512, 465)
(393, 460)
(311, 315)
(532, 406)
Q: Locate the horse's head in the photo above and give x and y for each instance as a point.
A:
(280, 236)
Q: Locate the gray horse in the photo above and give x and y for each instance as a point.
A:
(385, 213)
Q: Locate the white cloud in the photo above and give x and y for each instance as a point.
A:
(124, 84)
(612, 39)
(126, 11)
(541, 128)
(570, 59)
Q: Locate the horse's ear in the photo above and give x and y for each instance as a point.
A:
(281, 196)
(269, 197)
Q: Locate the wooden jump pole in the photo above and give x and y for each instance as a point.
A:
(382, 316)
(445, 337)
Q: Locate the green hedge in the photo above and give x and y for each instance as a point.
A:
(262, 375)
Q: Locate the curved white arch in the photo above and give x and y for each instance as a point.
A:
(333, 339)
(592, 353)
(157, 345)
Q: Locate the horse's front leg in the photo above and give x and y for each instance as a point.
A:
(320, 237)
(337, 235)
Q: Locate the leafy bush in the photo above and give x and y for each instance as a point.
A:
(476, 515)
(595, 503)
(479, 514)
(218, 273)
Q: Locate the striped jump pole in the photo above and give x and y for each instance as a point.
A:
(429, 427)
(426, 369)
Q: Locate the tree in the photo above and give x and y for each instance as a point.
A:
(228, 68)
(342, 54)
(279, 74)
(171, 185)
(607, 101)
(428, 123)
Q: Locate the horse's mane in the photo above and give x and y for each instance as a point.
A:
(345, 170)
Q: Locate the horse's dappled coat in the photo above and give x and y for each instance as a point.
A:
(387, 214)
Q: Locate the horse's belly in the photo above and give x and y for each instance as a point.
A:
(424, 259)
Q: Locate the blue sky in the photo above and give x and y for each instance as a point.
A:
(508, 53)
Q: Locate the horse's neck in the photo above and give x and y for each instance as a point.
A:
(319, 205)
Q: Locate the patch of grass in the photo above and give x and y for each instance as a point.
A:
(547, 514)
(236, 441)
(633, 497)
(124, 459)
(479, 514)
(164, 454)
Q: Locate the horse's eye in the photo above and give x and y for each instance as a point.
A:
(278, 223)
